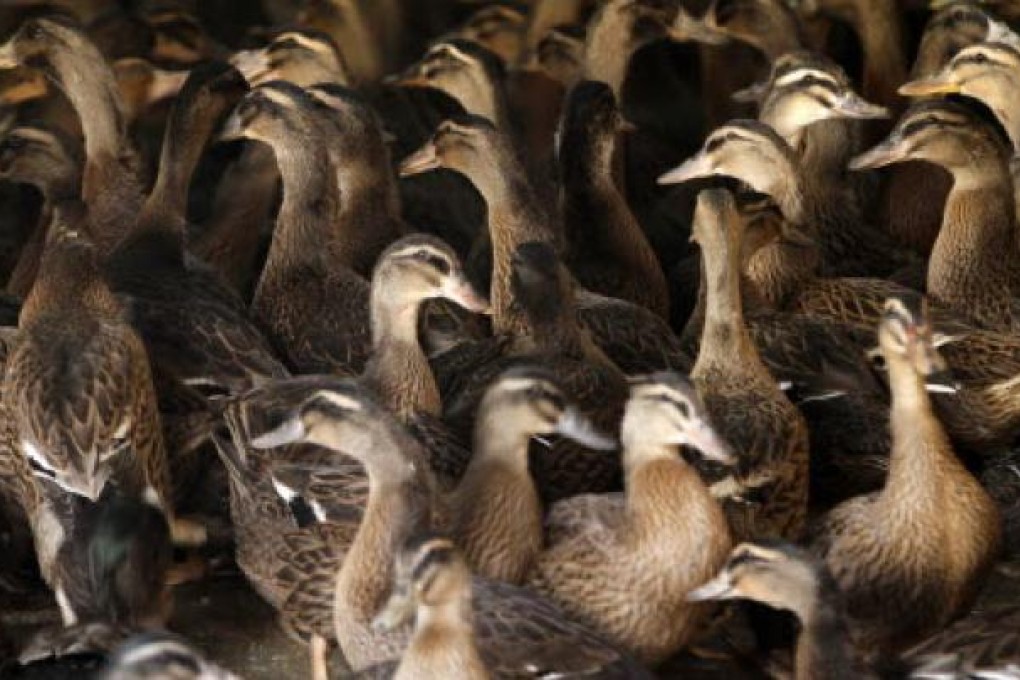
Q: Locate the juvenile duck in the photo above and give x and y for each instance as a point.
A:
(310, 299)
(967, 272)
(300, 56)
(904, 569)
(102, 426)
(111, 186)
(609, 253)
(499, 28)
(786, 577)
(516, 630)
(432, 585)
(766, 493)
(495, 513)
(625, 562)
(633, 337)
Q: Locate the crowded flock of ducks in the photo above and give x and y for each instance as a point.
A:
(515, 339)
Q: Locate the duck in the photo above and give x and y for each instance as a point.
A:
(602, 557)
(754, 153)
(302, 56)
(966, 272)
(432, 586)
(494, 514)
(765, 493)
(788, 577)
(317, 312)
(468, 72)
(609, 253)
(922, 570)
(111, 183)
(348, 25)
(106, 427)
(634, 338)
(52, 164)
(345, 419)
(543, 291)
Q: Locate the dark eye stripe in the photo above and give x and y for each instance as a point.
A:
(434, 557)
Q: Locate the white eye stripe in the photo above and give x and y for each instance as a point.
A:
(801, 73)
(339, 400)
(452, 51)
(303, 41)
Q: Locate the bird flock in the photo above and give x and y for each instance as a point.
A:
(534, 338)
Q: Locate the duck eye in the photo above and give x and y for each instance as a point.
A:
(980, 58)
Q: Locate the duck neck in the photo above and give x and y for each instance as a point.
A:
(978, 228)
(823, 647)
(665, 498)
(514, 219)
(885, 64)
(444, 643)
(724, 338)
(397, 506)
(398, 368)
(497, 444)
(304, 226)
(368, 193)
(919, 443)
(84, 76)
(607, 49)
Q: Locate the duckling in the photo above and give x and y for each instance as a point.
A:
(111, 186)
(515, 629)
(966, 272)
(157, 656)
(610, 254)
(633, 337)
(51, 163)
(920, 570)
(179, 38)
(105, 426)
(314, 306)
(786, 577)
(948, 31)
(769, 26)
(766, 494)
(370, 211)
(300, 55)
(495, 513)
(602, 560)
(432, 583)
(469, 73)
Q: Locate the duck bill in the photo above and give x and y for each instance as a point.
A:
(425, 159)
(851, 105)
(414, 79)
(710, 443)
(290, 432)
(719, 588)
(892, 150)
(457, 289)
(696, 167)
(8, 57)
(397, 611)
(929, 87)
(573, 425)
